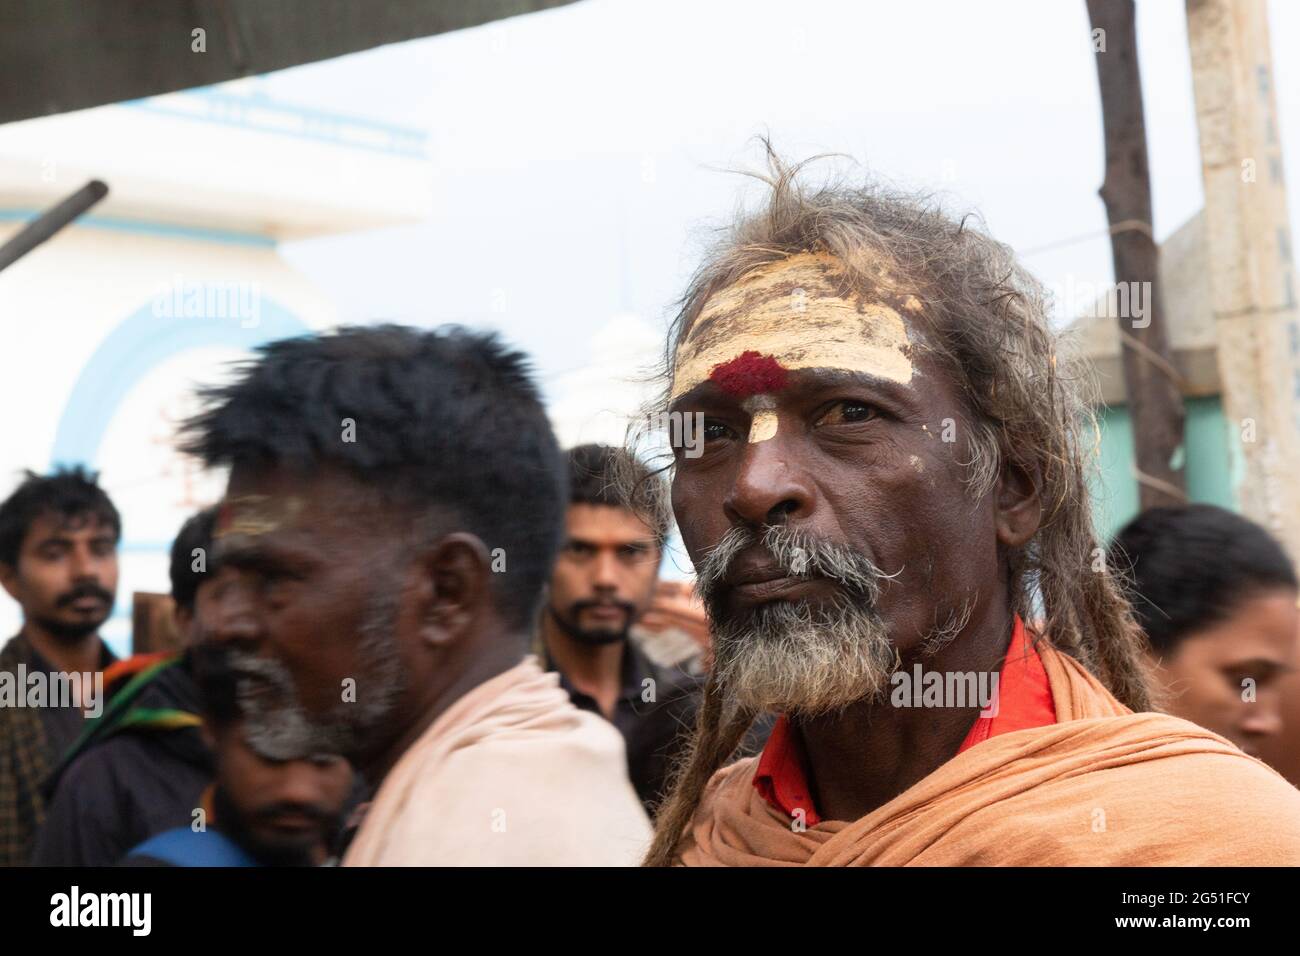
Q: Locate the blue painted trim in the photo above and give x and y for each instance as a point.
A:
(141, 342)
(261, 100)
(227, 109)
(150, 228)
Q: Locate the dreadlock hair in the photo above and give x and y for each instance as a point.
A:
(985, 320)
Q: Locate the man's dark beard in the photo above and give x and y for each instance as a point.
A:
(72, 632)
(799, 658)
(232, 824)
(593, 638)
(68, 633)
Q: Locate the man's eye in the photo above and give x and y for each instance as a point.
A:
(1262, 676)
(714, 429)
(848, 411)
(700, 430)
(278, 579)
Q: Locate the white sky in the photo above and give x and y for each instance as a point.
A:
(576, 153)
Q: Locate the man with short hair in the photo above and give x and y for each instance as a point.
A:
(141, 767)
(890, 490)
(58, 560)
(394, 506)
(1216, 598)
(602, 585)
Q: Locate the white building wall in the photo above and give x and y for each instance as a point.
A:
(106, 329)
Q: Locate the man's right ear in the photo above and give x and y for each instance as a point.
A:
(452, 586)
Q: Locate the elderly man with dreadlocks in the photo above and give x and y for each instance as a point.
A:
(891, 488)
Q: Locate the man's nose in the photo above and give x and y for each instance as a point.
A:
(85, 564)
(767, 489)
(606, 572)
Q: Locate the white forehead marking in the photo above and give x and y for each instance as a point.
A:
(763, 421)
(792, 310)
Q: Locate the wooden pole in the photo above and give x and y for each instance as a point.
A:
(1152, 383)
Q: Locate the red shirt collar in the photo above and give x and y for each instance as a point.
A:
(1023, 700)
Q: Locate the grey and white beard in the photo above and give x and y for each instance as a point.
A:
(275, 723)
(799, 658)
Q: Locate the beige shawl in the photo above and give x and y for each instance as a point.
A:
(512, 774)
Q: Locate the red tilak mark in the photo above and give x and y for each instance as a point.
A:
(749, 373)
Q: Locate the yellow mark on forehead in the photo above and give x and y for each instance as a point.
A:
(796, 310)
(254, 515)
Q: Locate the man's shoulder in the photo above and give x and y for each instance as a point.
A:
(539, 719)
(1238, 799)
(152, 731)
(125, 758)
(1209, 809)
(184, 846)
(16, 650)
(738, 775)
(563, 729)
(551, 731)
(92, 770)
(1159, 792)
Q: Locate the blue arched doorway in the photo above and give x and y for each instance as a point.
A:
(141, 342)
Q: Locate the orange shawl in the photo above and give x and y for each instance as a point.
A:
(1101, 787)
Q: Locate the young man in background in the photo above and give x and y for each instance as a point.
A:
(58, 560)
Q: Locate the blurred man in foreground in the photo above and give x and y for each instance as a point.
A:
(395, 502)
(58, 560)
(1216, 598)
